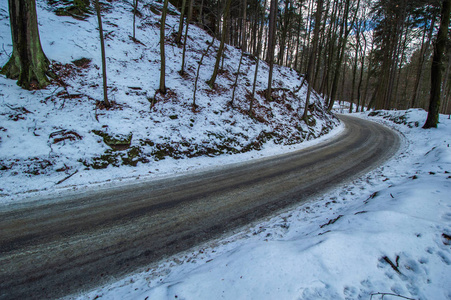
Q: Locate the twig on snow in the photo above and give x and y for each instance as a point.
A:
(390, 294)
(66, 178)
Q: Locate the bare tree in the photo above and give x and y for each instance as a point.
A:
(190, 13)
(163, 57)
(102, 49)
(308, 76)
(271, 44)
(212, 80)
(135, 10)
(178, 37)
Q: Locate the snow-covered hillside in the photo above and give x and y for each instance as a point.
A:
(386, 235)
(58, 137)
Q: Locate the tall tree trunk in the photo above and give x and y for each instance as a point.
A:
(212, 80)
(354, 71)
(259, 49)
(197, 73)
(162, 54)
(190, 13)
(178, 37)
(28, 63)
(368, 77)
(102, 49)
(320, 46)
(446, 84)
(436, 68)
(201, 14)
(309, 76)
(422, 58)
(135, 9)
(271, 43)
(331, 38)
(298, 38)
(362, 66)
(343, 41)
(395, 58)
(235, 84)
(243, 30)
(284, 32)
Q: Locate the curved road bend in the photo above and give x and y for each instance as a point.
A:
(50, 249)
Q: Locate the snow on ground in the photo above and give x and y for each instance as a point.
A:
(385, 234)
(55, 139)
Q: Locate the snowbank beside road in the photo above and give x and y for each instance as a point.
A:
(386, 233)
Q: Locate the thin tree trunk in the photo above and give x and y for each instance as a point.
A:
(102, 49)
(325, 85)
(284, 33)
(368, 77)
(178, 37)
(259, 48)
(362, 66)
(198, 69)
(445, 84)
(345, 32)
(235, 84)
(243, 32)
(271, 42)
(422, 58)
(201, 14)
(190, 13)
(309, 75)
(135, 8)
(354, 71)
(212, 80)
(298, 38)
(162, 54)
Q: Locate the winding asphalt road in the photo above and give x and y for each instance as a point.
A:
(56, 247)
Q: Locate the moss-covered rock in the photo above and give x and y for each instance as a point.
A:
(117, 141)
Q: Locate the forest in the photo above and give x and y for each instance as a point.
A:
(375, 54)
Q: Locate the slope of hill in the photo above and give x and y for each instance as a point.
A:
(63, 136)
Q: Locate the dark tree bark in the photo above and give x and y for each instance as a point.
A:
(28, 63)
(436, 68)
(422, 58)
(309, 75)
(362, 67)
(344, 33)
(102, 49)
(446, 86)
(162, 54)
(197, 73)
(271, 44)
(235, 84)
(243, 29)
(284, 27)
(298, 37)
(190, 14)
(178, 37)
(212, 80)
(135, 10)
(259, 18)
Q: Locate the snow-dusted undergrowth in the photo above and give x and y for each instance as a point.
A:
(387, 233)
(48, 135)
